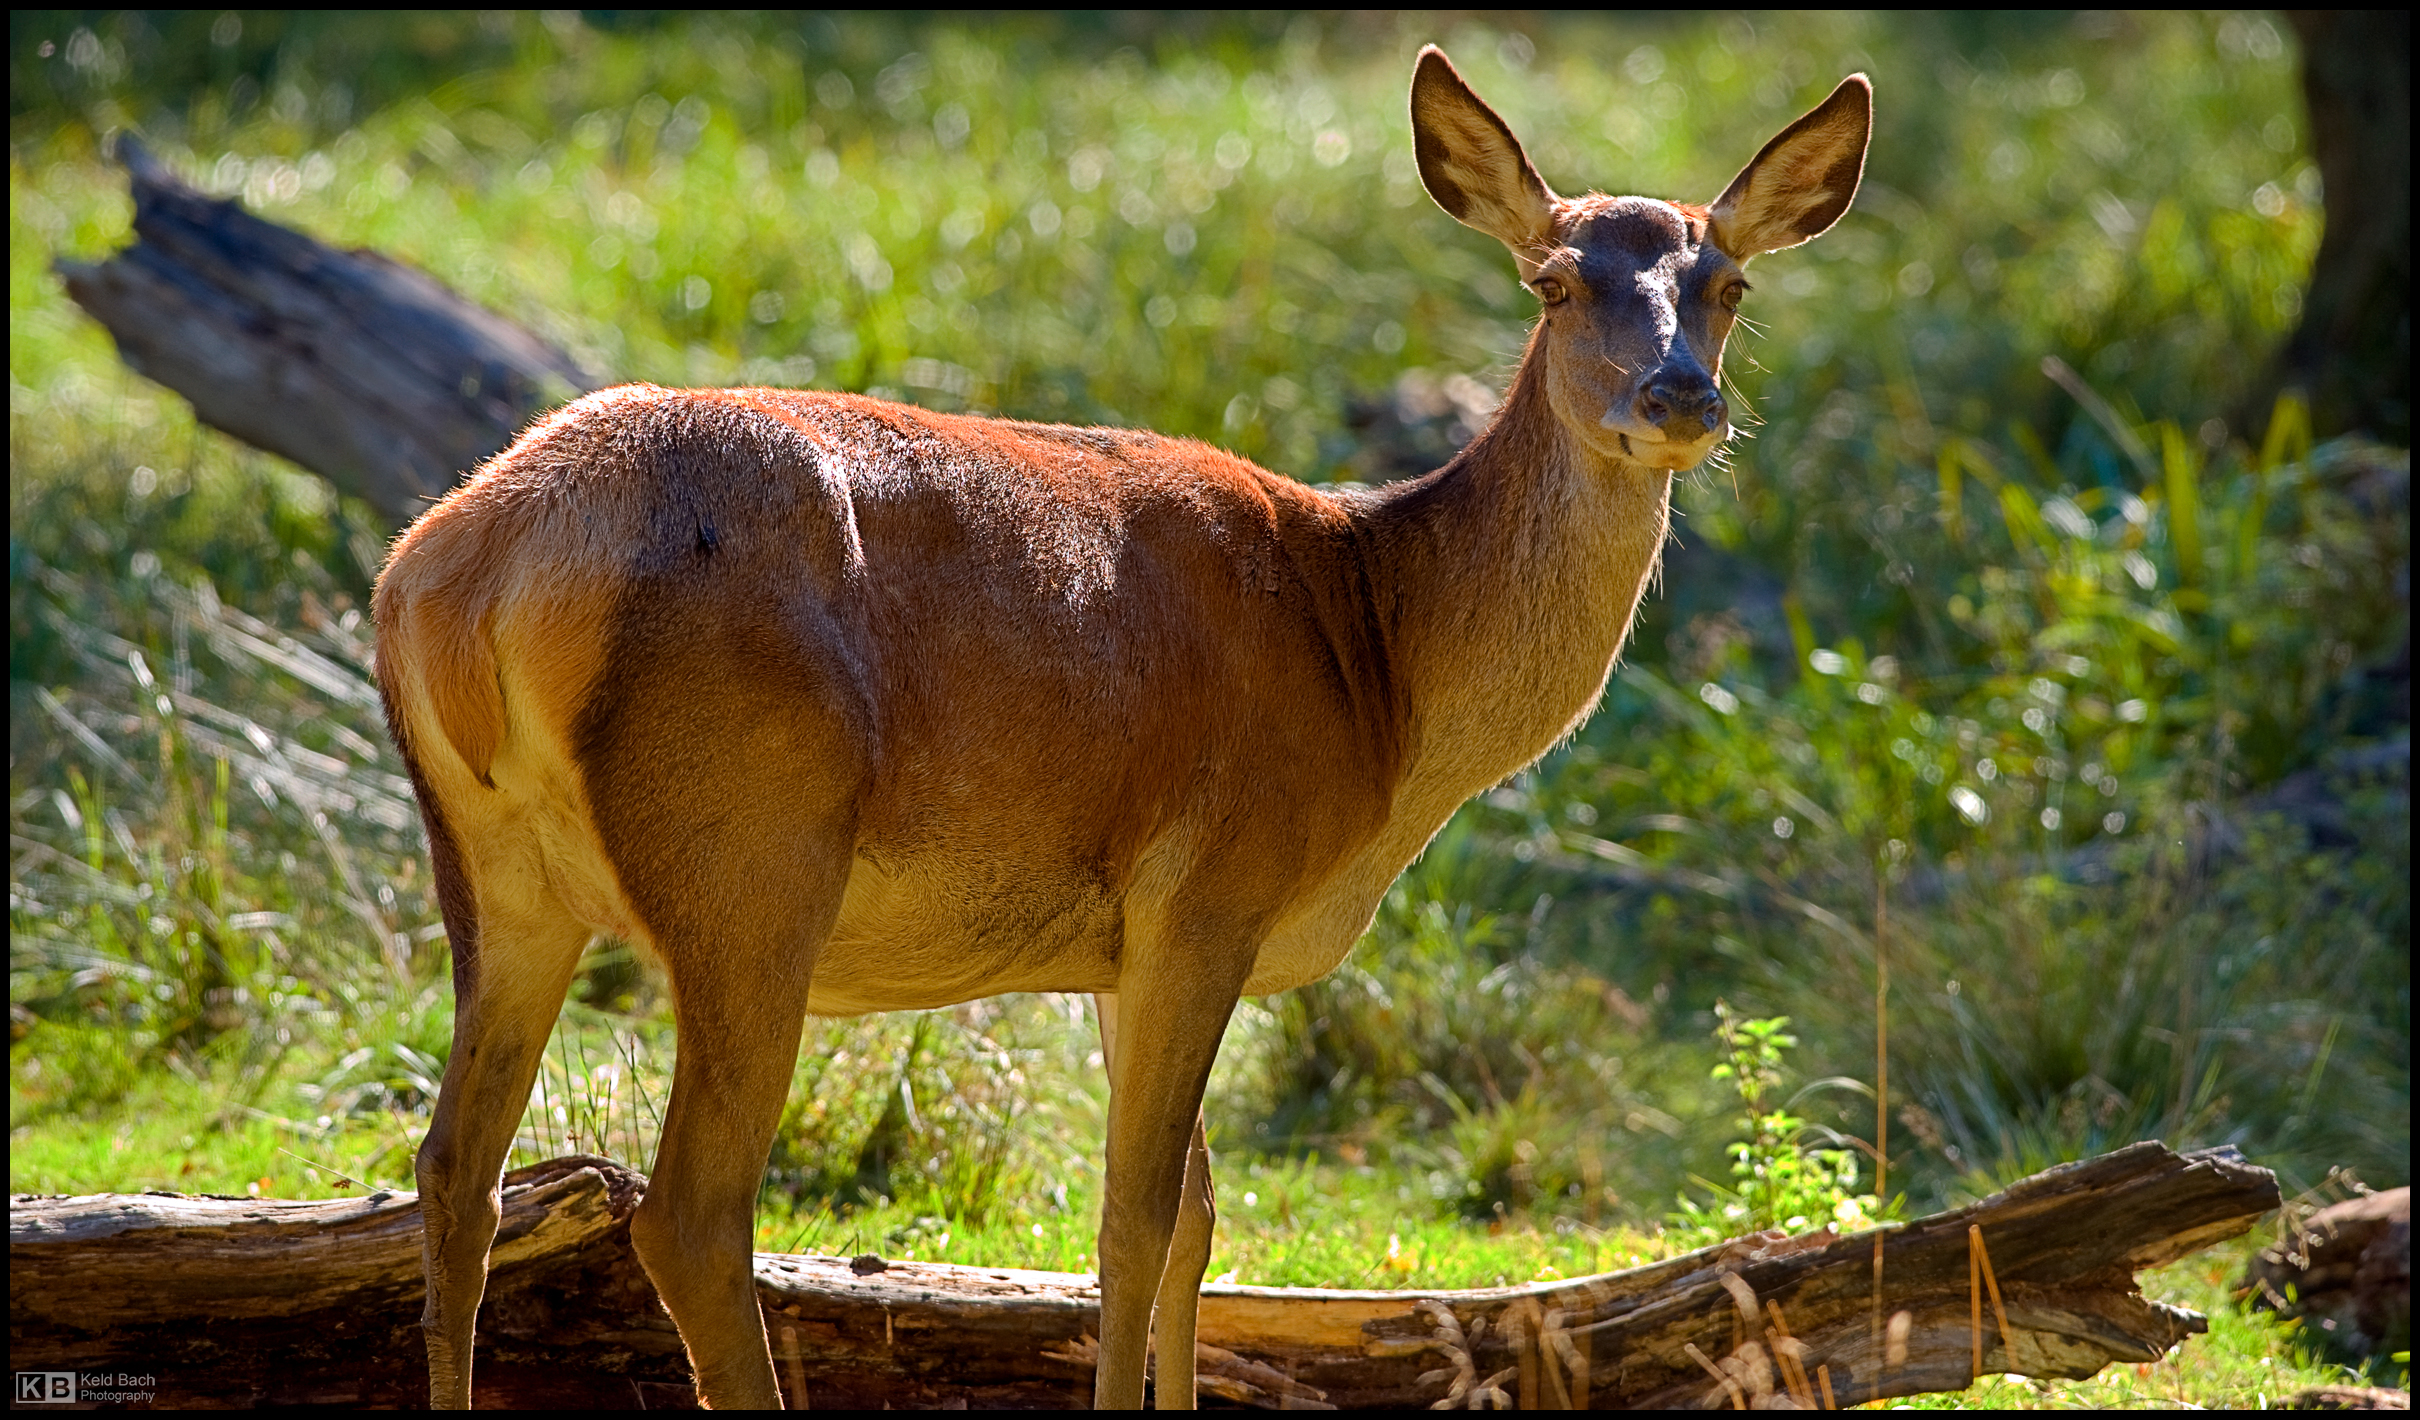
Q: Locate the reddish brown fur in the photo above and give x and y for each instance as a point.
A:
(844, 705)
(455, 901)
(974, 606)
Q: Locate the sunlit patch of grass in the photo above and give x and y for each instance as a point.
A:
(1328, 1225)
(1281, 1224)
(180, 1130)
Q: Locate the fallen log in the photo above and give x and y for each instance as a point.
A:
(2345, 1272)
(246, 1302)
(362, 369)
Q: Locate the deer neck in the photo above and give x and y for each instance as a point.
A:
(1507, 581)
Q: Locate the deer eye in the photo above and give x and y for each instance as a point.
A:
(1732, 294)
(1550, 290)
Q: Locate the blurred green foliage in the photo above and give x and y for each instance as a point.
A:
(1502, 1077)
(2107, 702)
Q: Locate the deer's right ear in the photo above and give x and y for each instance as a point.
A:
(1471, 163)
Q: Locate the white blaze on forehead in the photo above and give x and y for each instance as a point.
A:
(1660, 284)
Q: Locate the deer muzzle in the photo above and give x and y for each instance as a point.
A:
(1681, 403)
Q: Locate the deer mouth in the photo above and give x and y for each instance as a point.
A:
(1643, 443)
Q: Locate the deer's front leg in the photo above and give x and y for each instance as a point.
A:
(1180, 1298)
(1178, 1305)
(1160, 1038)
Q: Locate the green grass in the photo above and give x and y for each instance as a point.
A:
(2119, 630)
(178, 1133)
(1283, 1223)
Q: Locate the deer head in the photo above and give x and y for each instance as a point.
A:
(1637, 295)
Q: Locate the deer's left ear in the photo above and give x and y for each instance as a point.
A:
(1803, 180)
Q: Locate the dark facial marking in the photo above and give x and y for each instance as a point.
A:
(1613, 240)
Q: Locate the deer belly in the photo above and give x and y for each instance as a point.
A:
(1313, 937)
(924, 936)
(1313, 940)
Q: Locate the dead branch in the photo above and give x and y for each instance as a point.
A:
(353, 365)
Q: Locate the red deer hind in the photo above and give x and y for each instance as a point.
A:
(845, 706)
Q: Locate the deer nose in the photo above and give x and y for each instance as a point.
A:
(1682, 403)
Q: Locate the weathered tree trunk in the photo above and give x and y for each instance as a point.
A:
(359, 368)
(237, 1302)
(2352, 354)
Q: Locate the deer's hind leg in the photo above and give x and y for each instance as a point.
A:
(724, 772)
(739, 1033)
(513, 959)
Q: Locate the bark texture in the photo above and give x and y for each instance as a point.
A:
(357, 367)
(247, 1302)
(2346, 1271)
(2352, 354)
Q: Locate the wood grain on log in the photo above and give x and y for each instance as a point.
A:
(245, 1302)
(357, 367)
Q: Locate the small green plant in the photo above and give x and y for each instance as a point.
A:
(1779, 1181)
